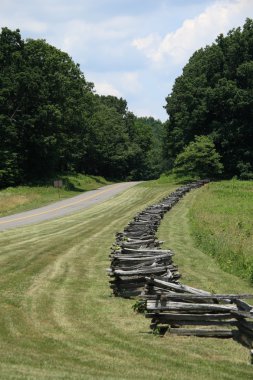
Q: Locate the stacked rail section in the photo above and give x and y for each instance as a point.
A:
(140, 267)
(137, 252)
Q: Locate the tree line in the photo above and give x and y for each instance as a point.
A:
(211, 109)
(52, 121)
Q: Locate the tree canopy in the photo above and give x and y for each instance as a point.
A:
(214, 97)
(199, 159)
(52, 121)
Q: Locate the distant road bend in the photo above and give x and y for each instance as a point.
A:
(64, 207)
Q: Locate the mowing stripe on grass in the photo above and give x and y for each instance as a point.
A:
(58, 320)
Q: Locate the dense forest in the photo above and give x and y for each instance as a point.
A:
(213, 98)
(52, 121)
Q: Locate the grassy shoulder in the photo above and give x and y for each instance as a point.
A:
(23, 198)
(58, 319)
(222, 225)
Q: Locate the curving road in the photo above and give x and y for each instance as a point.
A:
(64, 207)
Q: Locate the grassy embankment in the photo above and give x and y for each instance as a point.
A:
(58, 321)
(22, 198)
(222, 225)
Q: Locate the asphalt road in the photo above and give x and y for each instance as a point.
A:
(64, 207)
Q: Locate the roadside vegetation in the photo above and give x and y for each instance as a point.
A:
(58, 319)
(213, 98)
(52, 121)
(222, 226)
(23, 198)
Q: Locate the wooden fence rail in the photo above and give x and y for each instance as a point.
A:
(139, 267)
(137, 252)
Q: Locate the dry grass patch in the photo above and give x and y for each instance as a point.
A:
(8, 201)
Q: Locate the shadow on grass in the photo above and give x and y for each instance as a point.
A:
(243, 339)
(71, 182)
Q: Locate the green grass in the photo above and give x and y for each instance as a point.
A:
(58, 320)
(222, 225)
(23, 198)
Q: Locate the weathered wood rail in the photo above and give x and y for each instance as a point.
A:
(139, 267)
(175, 309)
(137, 253)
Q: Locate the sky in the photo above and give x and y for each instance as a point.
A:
(134, 49)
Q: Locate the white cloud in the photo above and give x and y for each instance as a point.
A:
(105, 88)
(124, 84)
(25, 24)
(144, 112)
(79, 33)
(148, 44)
(33, 26)
(196, 32)
(130, 82)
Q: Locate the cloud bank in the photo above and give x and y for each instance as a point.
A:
(194, 33)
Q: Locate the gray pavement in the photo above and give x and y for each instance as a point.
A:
(64, 207)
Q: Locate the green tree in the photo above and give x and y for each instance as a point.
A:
(11, 72)
(214, 97)
(58, 100)
(122, 145)
(51, 121)
(108, 143)
(44, 110)
(199, 159)
(148, 135)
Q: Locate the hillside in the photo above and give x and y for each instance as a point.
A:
(221, 224)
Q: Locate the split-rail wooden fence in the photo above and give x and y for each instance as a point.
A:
(139, 267)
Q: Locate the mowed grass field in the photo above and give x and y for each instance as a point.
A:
(59, 321)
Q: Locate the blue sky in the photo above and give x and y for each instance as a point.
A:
(129, 48)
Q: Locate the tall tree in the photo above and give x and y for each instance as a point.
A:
(108, 147)
(51, 121)
(148, 134)
(45, 104)
(12, 67)
(58, 105)
(214, 97)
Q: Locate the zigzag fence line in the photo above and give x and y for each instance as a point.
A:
(139, 267)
